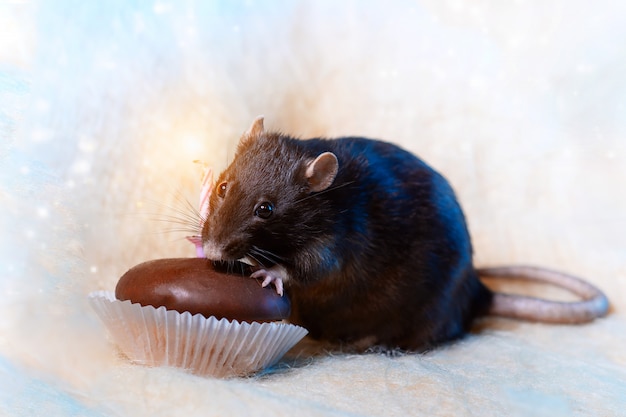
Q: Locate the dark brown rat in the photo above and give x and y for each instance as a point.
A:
(369, 242)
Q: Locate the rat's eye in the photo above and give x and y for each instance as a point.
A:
(264, 210)
(221, 189)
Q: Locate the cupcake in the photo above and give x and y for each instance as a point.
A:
(185, 313)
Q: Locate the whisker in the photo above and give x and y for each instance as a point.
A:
(187, 211)
(230, 267)
(239, 268)
(195, 211)
(166, 218)
(152, 233)
(325, 191)
(185, 216)
(270, 256)
(182, 226)
(191, 217)
(187, 231)
(182, 213)
(259, 255)
(251, 255)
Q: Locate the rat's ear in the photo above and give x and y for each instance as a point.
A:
(321, 172)
(256, 129)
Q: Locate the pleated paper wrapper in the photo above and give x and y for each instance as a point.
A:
(204, 346)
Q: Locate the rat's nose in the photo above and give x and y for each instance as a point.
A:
(212, 250)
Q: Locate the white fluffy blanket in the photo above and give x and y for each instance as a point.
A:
(104, 106)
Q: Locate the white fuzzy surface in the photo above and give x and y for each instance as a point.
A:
(103, 106)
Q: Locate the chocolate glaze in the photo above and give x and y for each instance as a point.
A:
(196, 286)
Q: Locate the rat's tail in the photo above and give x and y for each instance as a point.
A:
(594, 303)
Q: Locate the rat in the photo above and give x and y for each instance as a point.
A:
(368, 241)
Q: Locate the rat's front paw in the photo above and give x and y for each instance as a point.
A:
(274, 275)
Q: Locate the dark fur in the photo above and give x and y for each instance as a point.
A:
(383, 254)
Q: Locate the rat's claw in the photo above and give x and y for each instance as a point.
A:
(278, 283)
(269, 277)
(267, 281)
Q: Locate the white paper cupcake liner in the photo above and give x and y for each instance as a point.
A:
(205, 346)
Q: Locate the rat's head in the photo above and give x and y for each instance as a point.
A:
(259, 209)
